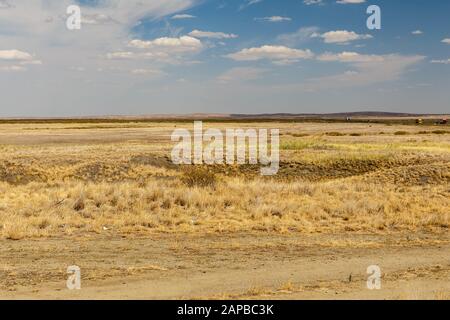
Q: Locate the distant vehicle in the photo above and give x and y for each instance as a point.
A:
(419, 121)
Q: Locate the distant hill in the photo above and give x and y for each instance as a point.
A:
(362, 115)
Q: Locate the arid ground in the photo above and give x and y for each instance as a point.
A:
(106, 197)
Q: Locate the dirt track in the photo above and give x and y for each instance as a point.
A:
(227, 266)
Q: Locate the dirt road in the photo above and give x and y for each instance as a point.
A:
(227, 266)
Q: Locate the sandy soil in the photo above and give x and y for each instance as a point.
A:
(256, 266)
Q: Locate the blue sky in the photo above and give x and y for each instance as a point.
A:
(217, 56)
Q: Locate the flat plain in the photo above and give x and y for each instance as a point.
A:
(105, 196)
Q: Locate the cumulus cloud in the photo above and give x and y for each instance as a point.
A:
(181, 44)
(164, 50)
(16, 60)
(40, 22)
(349, 57)
(15, 55)
(447, 41)
(417, 32)
(277, 54)
(342, 36)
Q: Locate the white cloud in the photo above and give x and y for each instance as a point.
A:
(300, 36)
(349, 57)
(366, 69)
(350, 1)
(213, 35)
(146, 72)
(14, 54)
(342, 36)
(181, 44)
(274, 53)
(441, 61)
(313, 2)
(274, 19)
(248, 3)
(120, 55)
(13, 68)
(417, 32)
(447, 41)
(97, 19)
(40, 22)
(182, 16)
(31, 62)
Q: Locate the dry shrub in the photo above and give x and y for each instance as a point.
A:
(199, 177)
(79, 204)
(335, 134)
(299, 135)
(401, 133)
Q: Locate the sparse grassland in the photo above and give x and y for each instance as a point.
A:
(65, 180)
(337, 178)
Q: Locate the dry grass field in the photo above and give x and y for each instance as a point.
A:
(106, 197)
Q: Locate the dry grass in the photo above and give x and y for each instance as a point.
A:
(333, 178)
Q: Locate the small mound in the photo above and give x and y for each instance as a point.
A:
(102, 172)
(18, 174)
(344, 168)
(150, 160)
(413, 175)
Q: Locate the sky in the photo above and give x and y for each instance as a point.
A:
(142, 57)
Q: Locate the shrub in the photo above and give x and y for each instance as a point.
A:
(440, 132)
(401, 133)
(199, 177)
(79, 204)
